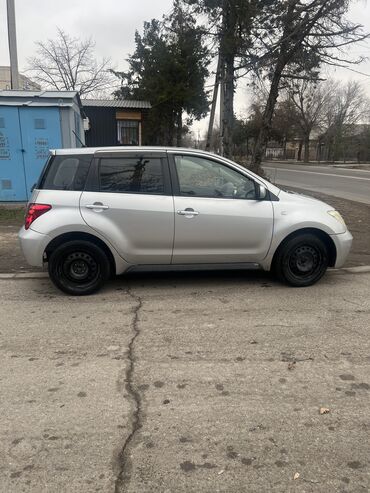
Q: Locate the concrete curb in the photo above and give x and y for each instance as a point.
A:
(350, 166)
(361, 269)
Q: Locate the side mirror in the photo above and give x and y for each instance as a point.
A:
(261, 192)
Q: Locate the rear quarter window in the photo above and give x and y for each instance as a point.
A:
(66, 172)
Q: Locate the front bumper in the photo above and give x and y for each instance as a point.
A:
(343, 243)
(33, 245)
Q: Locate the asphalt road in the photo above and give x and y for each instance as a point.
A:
(350, 184)
(186, 383)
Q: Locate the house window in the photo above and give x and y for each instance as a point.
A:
(128, 132)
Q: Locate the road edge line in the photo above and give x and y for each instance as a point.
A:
(360, 269)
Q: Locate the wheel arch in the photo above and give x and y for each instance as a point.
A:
(324, 237)
(79, 235)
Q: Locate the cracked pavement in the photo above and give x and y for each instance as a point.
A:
(134, 395)
(186, 383)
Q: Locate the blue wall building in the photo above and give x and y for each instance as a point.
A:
(32, 123)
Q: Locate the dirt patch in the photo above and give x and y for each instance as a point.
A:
(13, 216)
(356, 215)
(11, 257)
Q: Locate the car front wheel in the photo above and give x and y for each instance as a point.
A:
(301, 261)
(78, 267)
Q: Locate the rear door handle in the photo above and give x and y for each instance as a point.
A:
(97, 205)
(188, 212)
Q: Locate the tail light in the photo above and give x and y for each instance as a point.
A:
(33, 212)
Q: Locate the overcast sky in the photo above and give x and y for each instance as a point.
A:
(112, 24)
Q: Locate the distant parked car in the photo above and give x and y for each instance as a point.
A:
(97, 212)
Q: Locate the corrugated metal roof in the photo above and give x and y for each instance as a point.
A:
(116, 103)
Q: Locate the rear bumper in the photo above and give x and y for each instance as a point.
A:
(343, 243)
(33, 245)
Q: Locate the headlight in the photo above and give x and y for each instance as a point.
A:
(337, 216)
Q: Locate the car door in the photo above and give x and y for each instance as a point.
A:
(128, 200)
(218, 217)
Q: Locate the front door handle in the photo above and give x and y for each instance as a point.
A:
(188, 212)
(97, 205)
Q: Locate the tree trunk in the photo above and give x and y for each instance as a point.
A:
(306, 157)
(284, 147)
(170, 130)
(300, 147)
(228, 109)
(263, 135)
(285, 54)
(179, 128)
(329, 153)
(228, 50)
(335, 148)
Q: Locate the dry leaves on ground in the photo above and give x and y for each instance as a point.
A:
(324, 410)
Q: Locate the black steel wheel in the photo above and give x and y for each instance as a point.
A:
(302, 260)
(78, 267)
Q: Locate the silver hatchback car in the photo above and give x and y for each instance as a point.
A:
(97, 212)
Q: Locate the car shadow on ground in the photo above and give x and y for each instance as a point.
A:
(194, 279)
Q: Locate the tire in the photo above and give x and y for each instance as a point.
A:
(301, 261)
(78, 267)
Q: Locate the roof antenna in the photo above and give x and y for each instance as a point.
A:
(78, 138)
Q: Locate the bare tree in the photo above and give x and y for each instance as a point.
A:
(306, 34)
(311, 100)
(68, 63)
(349, 106)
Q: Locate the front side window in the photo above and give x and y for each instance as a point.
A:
(199, 177)
(131, 175)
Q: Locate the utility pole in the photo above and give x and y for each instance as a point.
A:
(12, 37)
(222, 111)
(214, 102)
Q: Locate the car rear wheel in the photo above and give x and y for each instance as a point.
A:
(301, 261)
(78, 267)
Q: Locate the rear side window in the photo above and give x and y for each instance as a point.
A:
(131, 175)
(66, 172)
